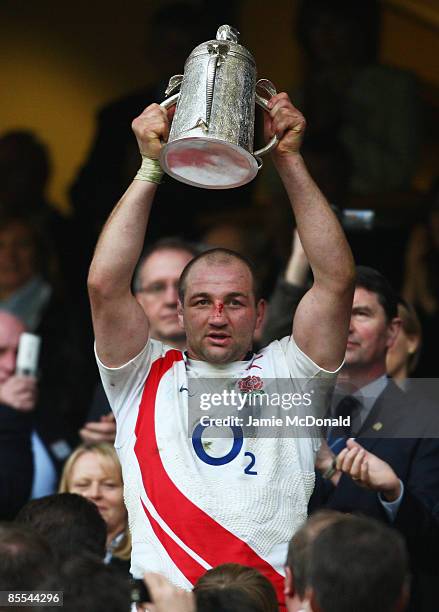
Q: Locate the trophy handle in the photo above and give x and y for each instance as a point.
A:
(265, 86)
(171, 101)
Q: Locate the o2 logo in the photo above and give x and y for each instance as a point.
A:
(238, 440)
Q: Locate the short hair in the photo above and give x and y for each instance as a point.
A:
(373, 281)
(217, 256)
(359, 565)
(107, 452)
(224, 600)
(90, 586)
(25, 557)
(70, 523)
(301, 542)
(411, 325)
(241, 579)
(165, 244)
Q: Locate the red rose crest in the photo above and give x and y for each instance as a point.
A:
(251, 384)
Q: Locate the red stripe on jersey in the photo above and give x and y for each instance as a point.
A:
(199, 531)
(179, 556)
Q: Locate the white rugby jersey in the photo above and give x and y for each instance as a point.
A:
(187, 513)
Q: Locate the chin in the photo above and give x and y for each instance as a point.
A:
(217, 357)
(220, 356)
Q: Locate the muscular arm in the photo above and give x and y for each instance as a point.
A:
(120, 325)
(321, 322)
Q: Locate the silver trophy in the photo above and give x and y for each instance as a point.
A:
(210, 143)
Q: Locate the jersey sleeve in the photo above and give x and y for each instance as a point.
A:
(302, 366)
(124, 386)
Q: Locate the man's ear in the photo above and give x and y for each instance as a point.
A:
(260, 313)
(180, 314)
(393, 331)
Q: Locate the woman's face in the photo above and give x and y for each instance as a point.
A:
(97, 479)
(399, 354)
(17, 257)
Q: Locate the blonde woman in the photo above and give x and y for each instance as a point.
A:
(93, 471)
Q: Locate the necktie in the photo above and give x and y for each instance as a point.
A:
(349, 406)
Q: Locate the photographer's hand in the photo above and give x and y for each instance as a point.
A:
(19, 392)
(166, 597)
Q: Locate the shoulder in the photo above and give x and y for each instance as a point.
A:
(298, 363)
(413, 413)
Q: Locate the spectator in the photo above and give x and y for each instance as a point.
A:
(88, 585)
(165, 597)
(26, 290)
(421, 285)
(94, 472)
(299, 552)
(70, 524)
(240, 579)
(371, 109)
(25, 169)
(225, 600)
(403, 356)
(358, 565)
(17, 400)
(392, 431)
(25, 558)
(155, 287)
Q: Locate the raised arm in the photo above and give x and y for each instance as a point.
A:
(120, 325)
(321, 322)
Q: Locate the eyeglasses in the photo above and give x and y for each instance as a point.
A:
(157, 288)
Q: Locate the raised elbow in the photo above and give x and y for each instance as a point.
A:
(99, 285)
(344, 277)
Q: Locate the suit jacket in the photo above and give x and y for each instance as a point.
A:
(396, 430)
(16, 460)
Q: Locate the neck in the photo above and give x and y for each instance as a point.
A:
(358, 376)
(177, 342)
(401, 375)
(113, 533)
(294, 604)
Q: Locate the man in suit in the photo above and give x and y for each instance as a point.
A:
(17, 400)
(391, 470)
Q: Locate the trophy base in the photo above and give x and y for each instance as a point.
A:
(208, 162)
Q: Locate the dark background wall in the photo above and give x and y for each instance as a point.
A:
(60, 61)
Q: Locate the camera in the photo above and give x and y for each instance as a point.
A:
(139, 591)
(353, 219)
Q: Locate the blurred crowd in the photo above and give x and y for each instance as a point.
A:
(64, 522)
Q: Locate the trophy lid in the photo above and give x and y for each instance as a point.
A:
(226, 32)
(228, 37)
